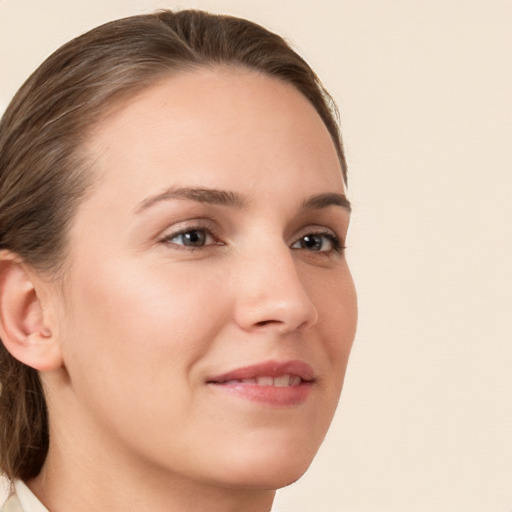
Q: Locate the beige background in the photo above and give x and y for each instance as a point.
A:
(424, 87)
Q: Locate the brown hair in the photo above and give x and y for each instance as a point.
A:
(42, 171)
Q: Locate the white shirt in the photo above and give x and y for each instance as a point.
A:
(23, 500)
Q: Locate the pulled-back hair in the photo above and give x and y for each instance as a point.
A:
(43, 171)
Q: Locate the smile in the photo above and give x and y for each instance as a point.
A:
(267, 380)
(277, 384)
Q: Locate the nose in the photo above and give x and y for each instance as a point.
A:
(271, 294)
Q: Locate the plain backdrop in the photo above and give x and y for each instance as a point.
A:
(424, 88)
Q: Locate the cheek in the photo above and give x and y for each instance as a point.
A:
(133, 320)
(336, 302)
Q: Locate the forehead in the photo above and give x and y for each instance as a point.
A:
(229, 122)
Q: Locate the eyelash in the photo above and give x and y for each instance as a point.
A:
(168, 239)
(337, 245)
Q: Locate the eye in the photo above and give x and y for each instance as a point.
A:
(318, 242)
(193, 238)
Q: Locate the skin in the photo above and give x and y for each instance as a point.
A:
(145, 319)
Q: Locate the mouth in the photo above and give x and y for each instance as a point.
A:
(267, 380)
(270, 383)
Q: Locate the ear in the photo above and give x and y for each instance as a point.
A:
(23, 323)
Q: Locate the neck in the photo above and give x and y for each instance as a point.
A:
(76, 484)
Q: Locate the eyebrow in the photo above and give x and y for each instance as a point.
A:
(201, 195)
(234, 200)
(320, 201)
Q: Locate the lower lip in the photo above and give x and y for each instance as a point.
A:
(275, 396)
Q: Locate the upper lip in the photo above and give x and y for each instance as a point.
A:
(267, 368)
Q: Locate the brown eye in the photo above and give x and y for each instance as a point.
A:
(312, 242)
(317, 242)
(191, 238)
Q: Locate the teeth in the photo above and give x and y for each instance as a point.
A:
(295, 380)
(265, 380)
(282, 381)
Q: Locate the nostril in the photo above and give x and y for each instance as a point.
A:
(264, 323)
(278, 324)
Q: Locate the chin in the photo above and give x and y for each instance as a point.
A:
(283, 477)
(272, 477)
(271, 467)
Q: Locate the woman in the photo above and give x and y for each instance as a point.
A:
(175, 307)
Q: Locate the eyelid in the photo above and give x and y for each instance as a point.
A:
(337, 240)
(184, 227)
(317, 229)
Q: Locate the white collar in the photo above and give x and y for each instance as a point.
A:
(23, 500)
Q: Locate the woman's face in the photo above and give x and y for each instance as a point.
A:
(209, 311)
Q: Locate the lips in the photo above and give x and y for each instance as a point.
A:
(272, 382)
(267, 380)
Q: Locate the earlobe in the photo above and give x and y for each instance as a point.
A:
(23, 323)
